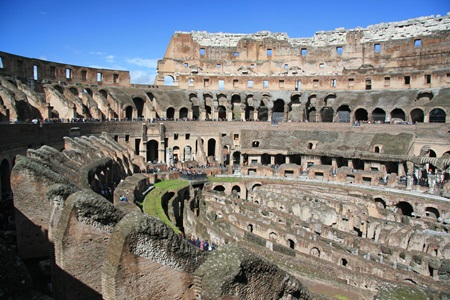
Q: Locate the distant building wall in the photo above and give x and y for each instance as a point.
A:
(399, 55)
(32, 69)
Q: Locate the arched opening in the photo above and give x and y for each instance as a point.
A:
(236, 191)
(263, 112)
(237, 158)
(219, 188)
(417, 115)
(211, 147)
(5, 174)
(378, 115)
(291, 244)
(265, 159)
(183, 113)
(59, 89)
(250, 228)
(344, 114)
(104, 93)
(226, 155)
(425, 96)
(314, 252)
(169, 80)
(236, 107)
(344, 262)
(139, 103)
(208, 113)
(249, 113)
(256, 187)
(432, 212)
(327, 114)
(273, 236)
(88, 91)
(380, 203)
(361, 115)
(152, 151)
(222, 112)
(176, 154)
(129, 113)
(377, 149)
(312, 114)
(280, 159)
(437, 115)
(398, 114)
(170, 113)
(404, 208)
(278, 111)
(73, 90)
(195, 112)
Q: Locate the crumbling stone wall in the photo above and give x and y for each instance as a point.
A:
(103, 251)
(337, 225)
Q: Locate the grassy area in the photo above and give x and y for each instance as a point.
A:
(152, 202)
(225, 179)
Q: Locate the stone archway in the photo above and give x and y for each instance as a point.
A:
(378, 115)
(404, 208)
(170, 113)
(327, 114)
(152, 150)
(417, 115)
(343, 114)
(278, 111)
(437, 115)
(361, 115)
(183, 113)
(398, 113)
(169, 80)
(129, 113)
(139, 103)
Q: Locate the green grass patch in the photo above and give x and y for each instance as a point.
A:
(340, 297)
(152, 203)
(225, 179)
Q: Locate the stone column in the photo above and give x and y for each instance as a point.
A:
(431, 182)
(202, 114)
(74, 111)
(49, 111)
(286, 113)
(229, 115)
(334, 163)
(255, 114)
(409, 182)
(400, 169)
(143, 146)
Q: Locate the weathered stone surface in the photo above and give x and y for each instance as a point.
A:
(236, 273)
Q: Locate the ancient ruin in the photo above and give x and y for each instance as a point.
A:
(319, 167)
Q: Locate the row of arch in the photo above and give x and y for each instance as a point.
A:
(326, 114)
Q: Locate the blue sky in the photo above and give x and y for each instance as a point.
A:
(133, 35)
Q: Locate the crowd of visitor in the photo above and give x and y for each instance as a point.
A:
(205, 245)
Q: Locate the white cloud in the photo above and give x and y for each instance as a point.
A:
(143, 62)
(43, 57)
(109, 58)
(142, 77)
(97, 53)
